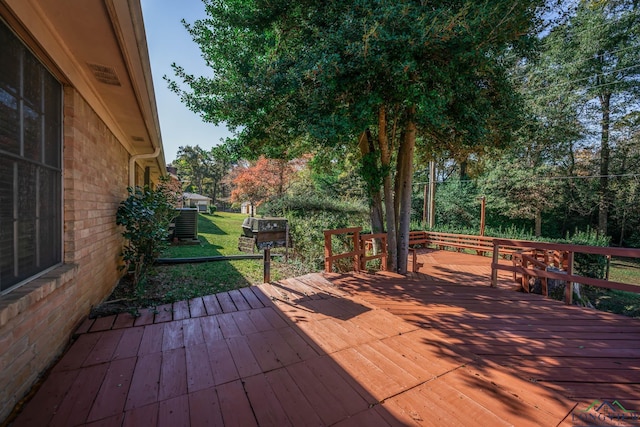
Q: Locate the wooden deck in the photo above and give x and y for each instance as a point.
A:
(439, 348)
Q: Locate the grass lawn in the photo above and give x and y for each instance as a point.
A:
(624, 270)
(218, 235)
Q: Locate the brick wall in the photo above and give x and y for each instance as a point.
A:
(38, 319)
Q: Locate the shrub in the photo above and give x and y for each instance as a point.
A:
(309, 216)
(212, 209)
(589, 265)
(145, 216)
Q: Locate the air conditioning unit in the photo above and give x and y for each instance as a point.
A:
(186, 224)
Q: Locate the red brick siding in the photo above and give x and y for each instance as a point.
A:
(38, 319)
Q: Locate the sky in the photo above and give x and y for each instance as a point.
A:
(168, 42)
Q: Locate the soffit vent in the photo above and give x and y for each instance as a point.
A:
(137, 138)
(104, 74)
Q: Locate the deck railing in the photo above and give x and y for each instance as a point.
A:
(362, 245)
(529, 257)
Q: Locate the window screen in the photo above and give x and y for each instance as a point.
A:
(30, 164)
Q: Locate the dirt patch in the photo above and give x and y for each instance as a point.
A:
(126, 299)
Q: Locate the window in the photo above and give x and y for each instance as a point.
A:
(30, 164)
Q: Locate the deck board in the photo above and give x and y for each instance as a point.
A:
(265, 404)
(181, 310)
(295, 404)
(145, 317)
(145, 382)
(76, 404)
(105, 348)
(173, 336)
(112, 396)
(192, 332)
(251, 298)
(124, 320)
(163, 313)
(146, 415)
(152, 338)
(173, 374)
(204, 408)
(327, 404)
(235, 406)
(197, 308)
(244, 323)
(199, 375)
(221, 362)
(439, 347)
(48, 398)
(212, 305)
(238, 299)
(174, 412)
(226, 303)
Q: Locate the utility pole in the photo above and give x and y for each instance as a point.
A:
(432, 194)
(483, 206)
(424, 206)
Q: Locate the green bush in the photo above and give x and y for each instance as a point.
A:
(212, 209)
(589, 265)
(309, 216)
(145, 216)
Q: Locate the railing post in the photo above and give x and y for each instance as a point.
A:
(568, 287)
(525, 276)
(266, 260)
(327, 252)
(383, 241)
(494, 263)
(357, 248)
(363, 245)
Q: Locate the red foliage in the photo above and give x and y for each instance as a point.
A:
(261, 180)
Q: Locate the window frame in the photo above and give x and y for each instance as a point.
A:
(51, 94)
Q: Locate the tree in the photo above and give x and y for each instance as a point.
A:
(518, 189)
(595, 56)
(256, 183)
(222, 159)
(626, 186)
(294, 74)
(193, 164)
(204, 170)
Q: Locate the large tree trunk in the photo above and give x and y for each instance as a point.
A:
(538, 228)
(400, 171)
(406, 166)
(385, 160)
(214, 193)
(463, 170)
(375, 198)
(603, 208)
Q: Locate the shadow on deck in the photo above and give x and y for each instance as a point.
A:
(438, 348)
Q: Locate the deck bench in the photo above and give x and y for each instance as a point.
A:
(481, 244)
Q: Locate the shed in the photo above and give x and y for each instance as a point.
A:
(193, 200)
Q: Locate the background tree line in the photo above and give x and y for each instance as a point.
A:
(531, 104)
